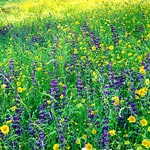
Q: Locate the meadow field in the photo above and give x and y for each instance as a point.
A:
(74, 74)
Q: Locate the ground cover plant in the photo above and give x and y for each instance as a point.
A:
(75, 75)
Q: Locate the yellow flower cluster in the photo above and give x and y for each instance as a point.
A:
(116, 100)
(142, 70)
(141, 91)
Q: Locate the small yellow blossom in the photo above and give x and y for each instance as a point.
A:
(127, 142)
(4, 129)
(146, 143)
(61, 96)
(92, 112)
(83, 101)
(147, 81)
(80, 105)
(68, 147)
(137, 97)
(77, 141)
(9, 121)
(13, 108)
(19, 89)
(142, 70)
(3, 86)
(93, 131)
(38, 69)
(18, 83)
(77, 22)
(139, 148)
(48, 102)
(131, 119)
(60, 58)
(93, 48)
(143, 122)
(112, 132)
(121, 101)
(84, 136)
(56, 147)
(148, 129)
(36, 57)
(116, 103)
(115, 98)
(88, 146)
(92, 105)
(111, 47)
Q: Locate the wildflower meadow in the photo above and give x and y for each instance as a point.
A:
(74, 74)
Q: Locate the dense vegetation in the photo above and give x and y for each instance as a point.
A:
(75, 75)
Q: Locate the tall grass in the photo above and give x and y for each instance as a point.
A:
(75, 75)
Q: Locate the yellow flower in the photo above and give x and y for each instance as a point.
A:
(148, 129)
(5, 147)
(112, 132)
(146, 143)
(121, 101)
(61, 96)
(111, 47)
(79, 105)
(4, 129)
(88, 146)
(139, 148)
(56, 147)
(130, 54)
(148, 25)
(93, 48)
(19, 89)
(3, 86)
(77, 22)
(147, 81)
(84, 136)
(68, 147)
(142, 70)
(142, 91)
(143, 122)
(48, 102)
(13, 108)
(93, 131)
(9, 121)
(77, 141)
(116, 103)
(36, 57)
(92, 112)
(83, 101)
(127, 142)
(60, 58)
(75, 51)
(132, 119)
(136, 97)
(115, 98)
(18, 83)
(38, 68)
